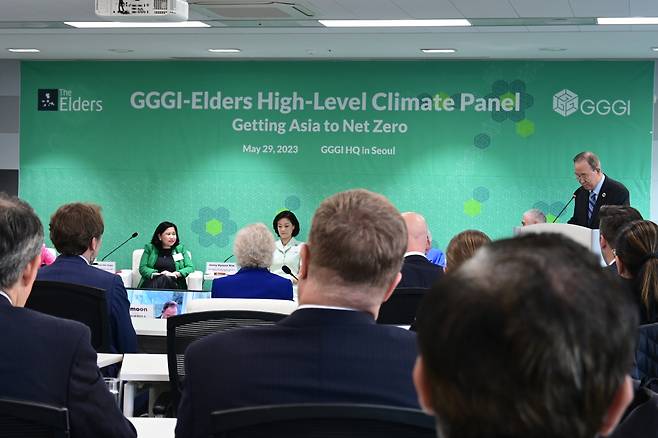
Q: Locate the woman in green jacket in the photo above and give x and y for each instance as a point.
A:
(165, 262)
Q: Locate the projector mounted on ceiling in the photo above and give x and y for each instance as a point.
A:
(142, 10)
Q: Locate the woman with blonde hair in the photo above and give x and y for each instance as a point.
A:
(636, 255)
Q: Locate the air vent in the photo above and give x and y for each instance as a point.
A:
(250, 11)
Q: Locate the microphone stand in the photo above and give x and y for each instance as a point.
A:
(564, 208)
(124, 242)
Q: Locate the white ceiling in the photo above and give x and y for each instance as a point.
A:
(38, 24)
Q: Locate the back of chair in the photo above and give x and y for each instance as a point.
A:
(646, 353)
(184, 329)
(20, 418)
(401, 307)
(85, 304)
(323, 421)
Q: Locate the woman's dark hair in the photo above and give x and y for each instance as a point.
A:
(637, 248)
(155, 240)
(286, 214)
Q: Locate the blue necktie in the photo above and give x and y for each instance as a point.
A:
(590, 207)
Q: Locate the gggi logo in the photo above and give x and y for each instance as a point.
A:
(566, 102)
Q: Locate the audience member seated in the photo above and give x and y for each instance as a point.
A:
(328, 350)
(286, 252)
(612, 219)
(637, 261)
(253, 249)
(463, 246)
(165, 263)
(46, 359)
(529, 338)
(533, 216)
(76, 230)
(417, 270)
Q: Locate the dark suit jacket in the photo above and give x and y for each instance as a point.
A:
(50, 360)
(252, 283)
(73, 269)
(612, 267)
(612, 193)
(314, 355)
(419, 272)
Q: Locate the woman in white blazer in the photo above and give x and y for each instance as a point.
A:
(286, 251)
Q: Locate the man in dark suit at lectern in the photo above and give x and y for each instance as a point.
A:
(596, 189)
(46, 359)
(328, 350)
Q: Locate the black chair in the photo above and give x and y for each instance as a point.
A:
(401, 307)
(20, 419)
(182, 330)
(646, 353)
(85, 304)
(323, 420)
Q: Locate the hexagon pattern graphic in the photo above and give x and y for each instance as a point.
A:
(214, 227)
(482, 141)
(472, 207)
(525, 128)
(481, 194)
(292, 203)
(551, 211)
(502, 89)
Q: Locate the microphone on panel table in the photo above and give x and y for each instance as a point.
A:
(135, 234)
(287, 270)
(565, 207)
(227, 258)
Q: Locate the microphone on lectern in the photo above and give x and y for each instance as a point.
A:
(287, 270)
(565, 207)
(135, 234)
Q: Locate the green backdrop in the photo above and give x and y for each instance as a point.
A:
(208, 145)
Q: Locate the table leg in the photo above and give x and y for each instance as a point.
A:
(128, 399)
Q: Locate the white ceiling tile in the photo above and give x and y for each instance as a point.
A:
(600, 8)
(644, 8)
(542, 8)
(370, 9)
(485, 9)
(325, 9)
(428, 8)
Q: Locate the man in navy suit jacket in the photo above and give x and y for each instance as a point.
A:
(417, 270)
(76, 230)
(46, 359)
(253, 248)
(330, 349)
(594, 186)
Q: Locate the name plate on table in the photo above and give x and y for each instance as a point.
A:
(110, 267)
(141, 311)
(219, 269)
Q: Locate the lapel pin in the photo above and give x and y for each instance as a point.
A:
(603, 194)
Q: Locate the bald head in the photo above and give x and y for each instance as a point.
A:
(417, 233)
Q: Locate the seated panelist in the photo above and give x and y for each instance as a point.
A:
(286, 248)
(165, 263)
(253, 249)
